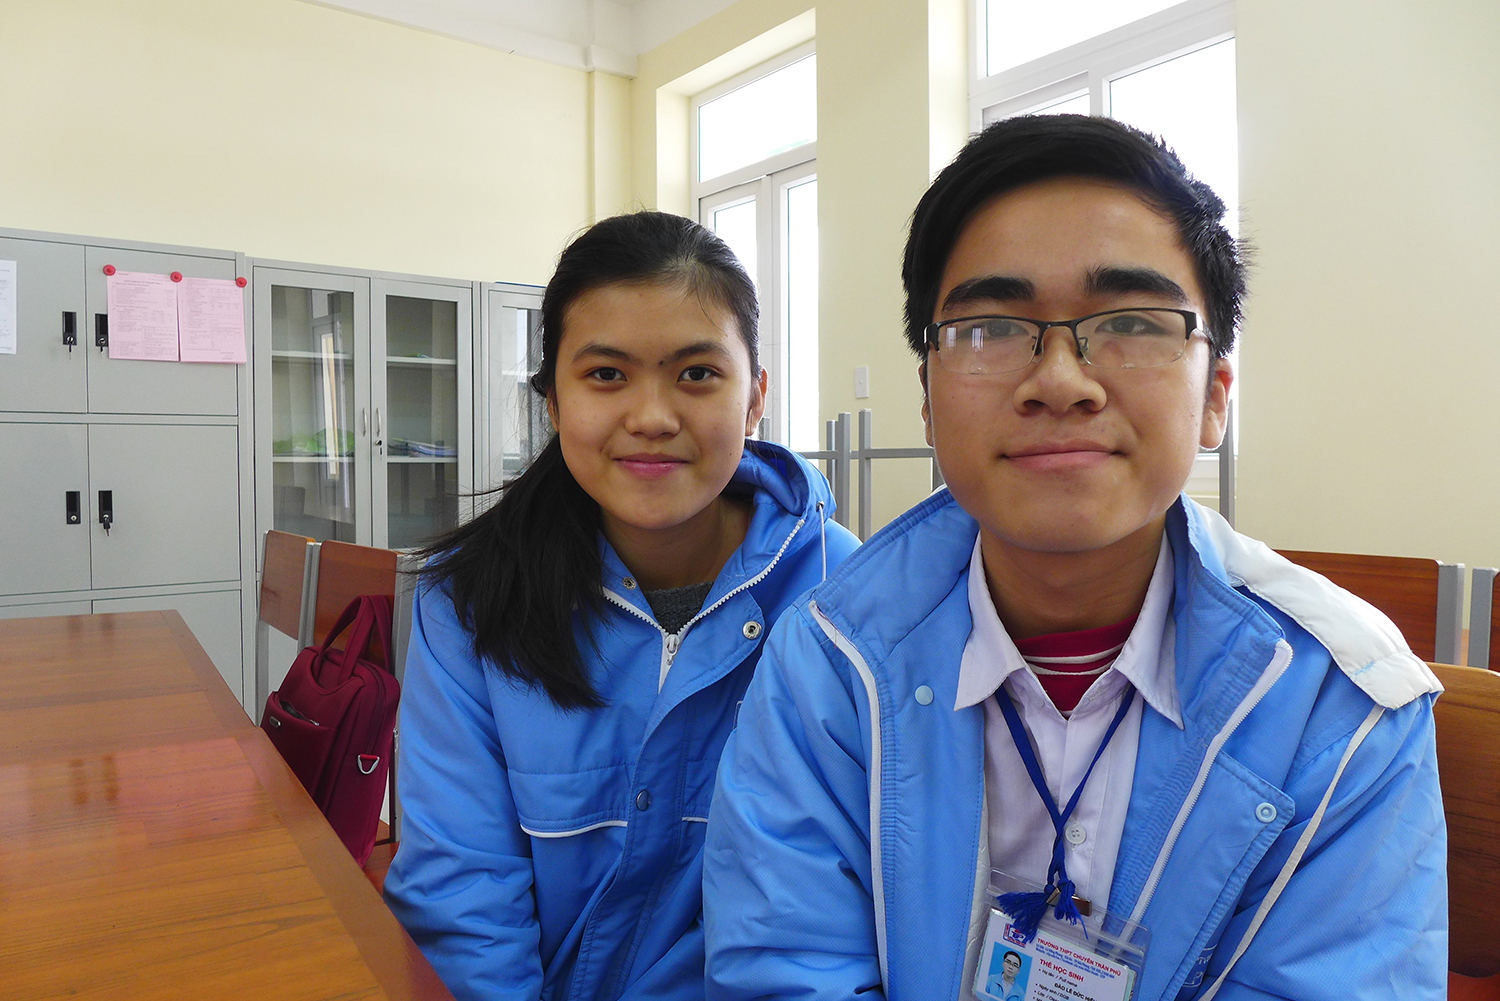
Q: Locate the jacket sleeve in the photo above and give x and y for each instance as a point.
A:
(461, 883)
(788, 901)
(1365, 915)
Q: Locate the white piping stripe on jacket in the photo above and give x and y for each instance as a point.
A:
(1280, 660)
(877, 871)
(1295, 859)
(695, 820)
(569, 834)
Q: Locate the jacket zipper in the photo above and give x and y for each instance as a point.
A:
(671, 642)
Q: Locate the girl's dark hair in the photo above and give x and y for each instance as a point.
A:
(1019, 151)
(519, 573)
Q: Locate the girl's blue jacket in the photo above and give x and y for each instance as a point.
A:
(1288, 840)
(550, 854)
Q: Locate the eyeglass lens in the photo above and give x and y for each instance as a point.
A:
(1134, 338)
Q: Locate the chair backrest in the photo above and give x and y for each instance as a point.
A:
(283, 582)
(1484, 620)
(1424, 598)
(344, 573)
(1468, 749)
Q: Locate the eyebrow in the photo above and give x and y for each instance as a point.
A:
(990, 288)
(595, 350)
(1124, 281)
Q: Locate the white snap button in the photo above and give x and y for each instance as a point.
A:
(629, 583)
(1075, 834)
(924, 696)
(751, 630)
(1265, 813)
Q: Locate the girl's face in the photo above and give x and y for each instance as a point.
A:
(652, 402)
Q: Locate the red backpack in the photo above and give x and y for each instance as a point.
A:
(333, 719)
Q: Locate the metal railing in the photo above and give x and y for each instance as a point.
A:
(844, 464)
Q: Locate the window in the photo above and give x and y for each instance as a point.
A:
(755, 184)
(1162, 67)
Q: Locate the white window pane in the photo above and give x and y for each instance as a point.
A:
(1069, 106)
(1190, 102)
(1018, 31)
(735, 225)
(773, 114)
(802, 316)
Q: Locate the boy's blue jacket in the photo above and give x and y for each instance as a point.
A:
(550, 854)
(847, 850)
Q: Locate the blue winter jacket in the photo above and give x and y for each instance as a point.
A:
(1290, 834)
(550, 854)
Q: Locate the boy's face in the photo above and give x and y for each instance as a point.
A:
(1065, 457)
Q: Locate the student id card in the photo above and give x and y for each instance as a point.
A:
(1063, 962)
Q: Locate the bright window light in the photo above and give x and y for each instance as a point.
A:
(802, 315)
(735, 225)
(770, 115)
(1190, 102)
(1019, 31)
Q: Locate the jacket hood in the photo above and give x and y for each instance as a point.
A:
(1363, 642)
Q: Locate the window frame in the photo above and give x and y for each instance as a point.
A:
(766, 181)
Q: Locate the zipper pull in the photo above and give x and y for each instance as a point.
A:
(670, 641)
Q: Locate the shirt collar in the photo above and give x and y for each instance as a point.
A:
(1147, 660)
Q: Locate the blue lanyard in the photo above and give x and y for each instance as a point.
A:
(1026, 909)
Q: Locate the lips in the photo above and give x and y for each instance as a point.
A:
(648, 466)
(1060, 456)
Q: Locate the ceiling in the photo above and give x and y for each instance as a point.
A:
(586, 34)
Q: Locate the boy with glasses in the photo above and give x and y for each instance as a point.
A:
(1060, 676)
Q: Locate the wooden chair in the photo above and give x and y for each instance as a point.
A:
(1424, 598)
(1484, 620)
(1468, 749)
(285, 579)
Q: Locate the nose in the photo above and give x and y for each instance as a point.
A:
(650, 413)
(1059, 380)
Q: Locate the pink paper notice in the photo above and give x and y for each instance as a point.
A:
(211, 320)
(142, 316)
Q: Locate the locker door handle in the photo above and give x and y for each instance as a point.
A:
(70, 329)
(73, 500)
(101, 330)
(106, 509)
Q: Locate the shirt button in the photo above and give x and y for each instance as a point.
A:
(923, 695)
(643, 800)
(629, 583)
(1265, 813)
(1075, 834)
(751, 630)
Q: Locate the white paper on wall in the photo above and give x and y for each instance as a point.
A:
(7, 307)
(142, 316)
(211, 320)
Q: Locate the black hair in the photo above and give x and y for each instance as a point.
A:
(1019, 151)
(522, 574)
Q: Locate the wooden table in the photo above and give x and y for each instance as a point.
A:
(154, 845)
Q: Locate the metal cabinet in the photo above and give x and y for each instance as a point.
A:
(365, 403)
(162, 447)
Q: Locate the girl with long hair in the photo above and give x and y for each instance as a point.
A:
(579, 651)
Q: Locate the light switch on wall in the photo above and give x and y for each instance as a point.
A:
(862, 382)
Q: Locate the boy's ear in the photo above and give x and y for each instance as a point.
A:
(1216, 405)
(926, 405)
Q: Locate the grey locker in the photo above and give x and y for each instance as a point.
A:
(45, 609)
(174, 489)
(154, 387)
(43, 375)
(214, 618)
(39, 550)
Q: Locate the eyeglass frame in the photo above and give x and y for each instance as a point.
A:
(1188, 315)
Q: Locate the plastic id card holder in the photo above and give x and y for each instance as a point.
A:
(1100, 960)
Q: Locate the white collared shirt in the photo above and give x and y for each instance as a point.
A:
(1020, 830)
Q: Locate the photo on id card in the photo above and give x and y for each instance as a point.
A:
(1098, 961)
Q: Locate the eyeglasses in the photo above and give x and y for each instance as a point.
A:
(1115, 338)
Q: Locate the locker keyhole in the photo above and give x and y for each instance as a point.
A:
(106, 509)
(73, 501)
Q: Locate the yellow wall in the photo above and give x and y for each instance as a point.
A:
(1370, 180)
(891, 111)
(288, 130)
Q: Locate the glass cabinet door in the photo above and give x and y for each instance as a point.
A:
(515, 419)
(422, 411)
(317, 400)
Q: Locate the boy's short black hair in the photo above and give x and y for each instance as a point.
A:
(1018, 151)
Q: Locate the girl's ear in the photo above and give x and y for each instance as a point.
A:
(552, 405)
(758, 387)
